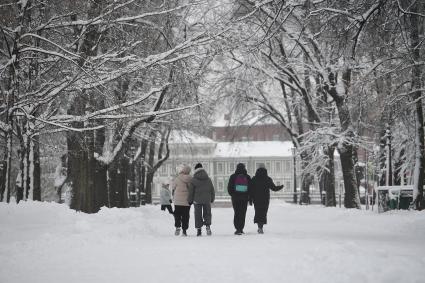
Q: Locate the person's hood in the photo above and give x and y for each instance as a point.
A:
(200, 174)
(261, 172)
(184, 177)
(240, 169)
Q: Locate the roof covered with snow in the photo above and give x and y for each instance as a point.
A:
(254, 149)
(184, 136)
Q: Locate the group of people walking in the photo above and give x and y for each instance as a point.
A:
(199, 191)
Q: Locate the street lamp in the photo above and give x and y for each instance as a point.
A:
(294, 155)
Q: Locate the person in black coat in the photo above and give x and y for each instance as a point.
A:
(238, 190)
(259, 193)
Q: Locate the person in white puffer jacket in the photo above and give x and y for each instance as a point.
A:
(180, 194)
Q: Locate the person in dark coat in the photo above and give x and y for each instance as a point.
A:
(259, 194)
(238, 190)
(201, 194)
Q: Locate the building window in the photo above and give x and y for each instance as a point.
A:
(278, 167)
(164, 169)
(287, 165)
(268, 167)
(220, 169)
(288, 186)
(220, 186)
(231, 167)
(258, 163)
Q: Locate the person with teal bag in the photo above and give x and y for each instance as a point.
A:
(238, 190)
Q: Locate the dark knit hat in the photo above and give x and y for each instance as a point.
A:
(198, 165)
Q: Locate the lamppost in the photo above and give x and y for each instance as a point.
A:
(389, 173)
(294, 155)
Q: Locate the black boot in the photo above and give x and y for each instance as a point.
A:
(199, 232)
(260, 228)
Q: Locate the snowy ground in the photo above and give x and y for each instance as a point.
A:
(46, 242)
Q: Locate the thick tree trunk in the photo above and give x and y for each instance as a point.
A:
(118, 182)
(346, 149)
(81, 146)
(100, 171)
(76, 156)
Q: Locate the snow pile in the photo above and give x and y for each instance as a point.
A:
(47, 242)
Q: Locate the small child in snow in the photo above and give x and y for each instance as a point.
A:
(165, 197)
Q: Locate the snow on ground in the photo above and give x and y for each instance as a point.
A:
(47, 242)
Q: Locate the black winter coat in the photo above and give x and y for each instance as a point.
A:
(260, 186)
(231, 185)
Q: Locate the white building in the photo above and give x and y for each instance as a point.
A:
(220, 159)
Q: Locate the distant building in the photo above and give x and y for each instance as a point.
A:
(220, 159)
(269, 132)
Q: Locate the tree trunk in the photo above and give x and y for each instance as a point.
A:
(100, 171)
(118, 181)
(418, 181)
(329, 178)
(150, 170)
(81, 146)
(346, 149)
(142, 188)
(76, 157)
(36, 172)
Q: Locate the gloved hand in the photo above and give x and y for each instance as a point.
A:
(250, 202)
(171, 201)
(190, 203)
(280, 187)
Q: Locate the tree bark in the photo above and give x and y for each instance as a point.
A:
(329, 178)
(346, 149)
(81, 146)
(150, 170)
(418, 181)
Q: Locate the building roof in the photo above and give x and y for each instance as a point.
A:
(188, 137)
(254, 149)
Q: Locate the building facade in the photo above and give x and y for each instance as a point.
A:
(219, 159)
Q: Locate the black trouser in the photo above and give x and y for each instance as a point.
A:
(261, 209)
(202, 214)
(168, 207)
(181, 216)
(239, 207)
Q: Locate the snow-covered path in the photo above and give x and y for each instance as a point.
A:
(46, 242)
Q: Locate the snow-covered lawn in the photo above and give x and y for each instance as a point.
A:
(47, 242)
